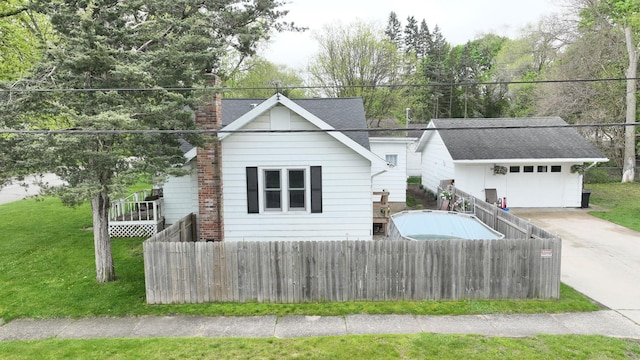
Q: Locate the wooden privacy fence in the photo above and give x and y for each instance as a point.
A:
(183, 230)
(305, 271)
(511, 226)
(508, 224)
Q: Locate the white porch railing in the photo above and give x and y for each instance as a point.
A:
(137, 215)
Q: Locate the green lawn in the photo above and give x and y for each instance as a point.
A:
(47, 270)
(419, 346)
(621, 203)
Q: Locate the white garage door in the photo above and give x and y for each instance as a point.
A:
(535, 186)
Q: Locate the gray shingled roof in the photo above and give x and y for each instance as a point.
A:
(412, 132)
(340, 113)
(515, 143)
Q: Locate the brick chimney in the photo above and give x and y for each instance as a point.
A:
(209, 166)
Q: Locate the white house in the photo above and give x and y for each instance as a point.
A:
(414, 158)
(286, 172)
(392, 178)
(388, 133)
(528, 161)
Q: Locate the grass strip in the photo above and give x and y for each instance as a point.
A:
(419, 346)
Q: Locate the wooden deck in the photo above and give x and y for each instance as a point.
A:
(381, 213)
(138, 215)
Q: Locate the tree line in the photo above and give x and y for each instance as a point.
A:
(537, 73)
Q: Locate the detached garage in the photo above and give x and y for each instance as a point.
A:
(529, 161)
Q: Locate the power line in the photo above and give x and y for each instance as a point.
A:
(308, 87)
(265, 131)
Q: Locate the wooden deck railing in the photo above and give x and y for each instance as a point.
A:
(136, 207)
(139, 214)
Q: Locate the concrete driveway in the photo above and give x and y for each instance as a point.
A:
(600, 259)
(16, 191)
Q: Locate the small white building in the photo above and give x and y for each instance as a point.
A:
(529, 161)
(391, 178)
(288, 172)
(414, 157)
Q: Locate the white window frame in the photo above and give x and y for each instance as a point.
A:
(264, 190)
(285, 206)
(305, 187)
(391, 159)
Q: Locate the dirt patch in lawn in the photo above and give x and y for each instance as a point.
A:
(423, 199)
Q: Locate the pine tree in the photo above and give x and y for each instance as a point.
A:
(411, 35)
(394, 30)
(423, 43)
(22, 36)
(104, 47)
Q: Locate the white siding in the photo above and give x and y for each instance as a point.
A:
(535, 189)
(394, 179)
(572, 187)
(180, 195)
(414, 160)
(543, 189)
(280, 118)
(346, 179)
(471, 179)
(437, 164)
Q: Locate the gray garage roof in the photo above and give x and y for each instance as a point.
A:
(340, 113)
(521, 139)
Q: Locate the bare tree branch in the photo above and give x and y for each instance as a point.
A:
(13, 12)
(164, 34)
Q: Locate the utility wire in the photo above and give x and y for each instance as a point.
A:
(263, 131)
(306, 87)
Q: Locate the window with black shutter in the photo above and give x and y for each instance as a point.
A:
(284, 190)
(316, 189)
(253, 206)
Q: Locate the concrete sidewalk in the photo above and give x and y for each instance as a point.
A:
(607, 323)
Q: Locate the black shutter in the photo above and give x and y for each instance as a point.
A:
(252, 190)
(316, 189)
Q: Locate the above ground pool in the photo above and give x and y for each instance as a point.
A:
(432, 225)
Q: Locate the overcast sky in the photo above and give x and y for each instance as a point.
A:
(458, 20)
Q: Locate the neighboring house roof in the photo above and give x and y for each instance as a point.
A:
(339, 113)
(413, 131)
(512, 139)
(416, 130)
(185, 146)
(385, 124)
